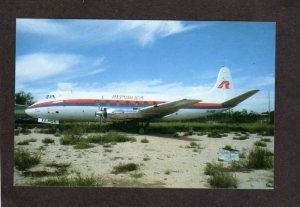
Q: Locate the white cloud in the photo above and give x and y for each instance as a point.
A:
(96, 71)
(265, 81)
(65, 86)
(39, 66)
(41, 27)
(145, 32)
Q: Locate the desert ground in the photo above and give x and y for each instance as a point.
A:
(164, 161)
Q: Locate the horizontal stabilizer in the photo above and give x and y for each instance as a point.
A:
(235, 101)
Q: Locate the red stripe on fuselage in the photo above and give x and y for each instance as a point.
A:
(79, 101)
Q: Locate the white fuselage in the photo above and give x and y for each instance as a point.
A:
(120, 108)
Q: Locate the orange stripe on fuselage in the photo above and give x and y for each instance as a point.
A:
(80, 101)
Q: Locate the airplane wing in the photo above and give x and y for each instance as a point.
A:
(160, 110)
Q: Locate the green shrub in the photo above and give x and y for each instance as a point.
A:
(137, 175)
(43, 173)
(222, 180)
(70, 139)
(193, 144)
(260, 144)
(260, 158)
(265, 140)
(123, 168)
(26, 142)
(74, 181)
(47, 140)
(24, 159)
(144, 140)
(146, 158)
(25, 131)
(167, 172)
(214, 134)
(227, 147)
(240, 138)
(83, 145)
(58, 165)
(214, 168)
(17, 132)
(107, 145)
(109, 138)
(201, 133)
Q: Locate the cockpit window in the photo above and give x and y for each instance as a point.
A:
(50, 97)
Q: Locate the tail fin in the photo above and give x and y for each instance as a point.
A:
(223, 88)
(236, 100)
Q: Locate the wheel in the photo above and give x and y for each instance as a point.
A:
(141, 130)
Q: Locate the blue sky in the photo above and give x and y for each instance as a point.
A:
(145, 56)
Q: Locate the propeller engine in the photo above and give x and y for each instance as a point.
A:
(102, 114)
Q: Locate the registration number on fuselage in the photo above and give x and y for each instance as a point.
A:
(48, 121)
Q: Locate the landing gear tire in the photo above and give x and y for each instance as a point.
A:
(141, 130)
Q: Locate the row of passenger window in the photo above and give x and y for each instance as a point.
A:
(117, 103)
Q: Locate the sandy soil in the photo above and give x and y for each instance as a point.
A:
(165, 161)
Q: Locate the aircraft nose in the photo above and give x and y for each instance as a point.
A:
(30, 112)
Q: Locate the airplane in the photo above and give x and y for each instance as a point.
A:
(123, 108)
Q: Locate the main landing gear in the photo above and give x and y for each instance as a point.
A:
(142, 126)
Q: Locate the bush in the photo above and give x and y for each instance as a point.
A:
(24, 159)
(193, 144)
(48, 141)
(146, 158)
(42, 173)
(260, 144)
(25, 131)
(201, 133)
(167, 172)
(214, 134)
(109, 138)
(227, 147)
(70, 139)
(74, 181)
(83, 145)
(107, 145)
(214, 168)
(26, 142)
(144, 140)
(123, 168)
(240, 138)
(265, 140)
(260, 158)
(17, 132)
(58, 165)
(137, 175)
(223, 180)
(189, 132)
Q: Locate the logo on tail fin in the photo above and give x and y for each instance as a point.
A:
(224, 83)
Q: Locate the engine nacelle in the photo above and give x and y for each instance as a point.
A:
(111, 114)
